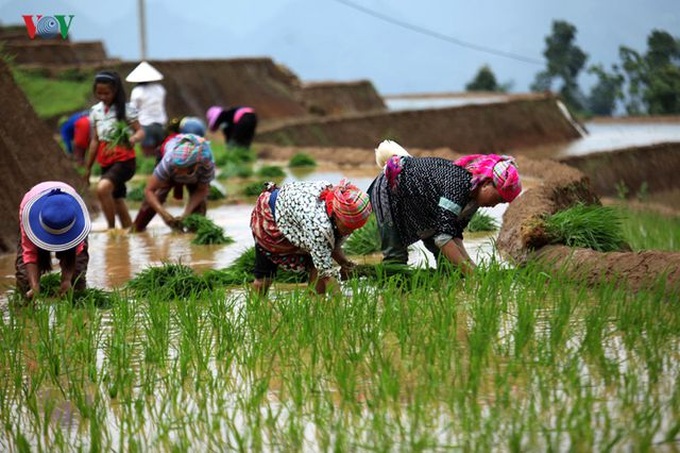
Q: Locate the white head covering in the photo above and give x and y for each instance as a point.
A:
(144, 72)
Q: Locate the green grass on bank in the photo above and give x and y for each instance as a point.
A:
(650, 230)
(53, 97)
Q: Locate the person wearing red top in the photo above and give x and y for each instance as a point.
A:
(115, 156)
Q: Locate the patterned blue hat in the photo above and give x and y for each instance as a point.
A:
(56, 220)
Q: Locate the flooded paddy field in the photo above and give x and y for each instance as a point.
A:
(513, 359)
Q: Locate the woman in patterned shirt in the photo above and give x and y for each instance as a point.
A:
(433, 199)
(116, 157)
(301, 227)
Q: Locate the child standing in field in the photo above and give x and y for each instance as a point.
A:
(115, 130)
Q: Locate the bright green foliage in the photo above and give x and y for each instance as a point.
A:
(587, 226)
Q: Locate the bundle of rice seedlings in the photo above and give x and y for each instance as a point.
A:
(49, 289)
(302, 160)
(120, 136)
(169, 281)
(241, 271)
(271, 171)
(481, 222)
(207, 232)
(254, 189)
(365, 240)
(587, 226)
(215, 193)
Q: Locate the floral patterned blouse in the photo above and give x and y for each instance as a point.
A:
(301, 217)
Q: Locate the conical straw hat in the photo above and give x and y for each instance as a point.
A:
(144, 72)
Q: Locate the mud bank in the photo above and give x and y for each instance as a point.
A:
(522, 238)
(495, 127)
(28, 155)
(652, 168)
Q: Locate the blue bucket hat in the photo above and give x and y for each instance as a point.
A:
(56, 220)
(192, 125)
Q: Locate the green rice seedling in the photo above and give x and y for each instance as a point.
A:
(365, 240)
(136, 193)
(236, 169)
(649, 230)
(241, 271)
(120, 135)
(481, 221)
(216, 193)
(145, 165)
(587, 226)
(254, 189)
(302, 160)
(271, 171)
(207, 232)
(241, 154)
(171, 281)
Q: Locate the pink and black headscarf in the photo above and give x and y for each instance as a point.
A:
(502, 170)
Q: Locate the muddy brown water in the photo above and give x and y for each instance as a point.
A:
(117, 256)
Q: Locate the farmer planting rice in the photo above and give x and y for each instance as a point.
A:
(148, 97)
(187, 160)
(433, 199)
(301, 227)
(52, 218)
(115, 132)
(238, 124)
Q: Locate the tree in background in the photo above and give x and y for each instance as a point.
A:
(662, 94)
(608, 90)
(485, 80)
(646, 83)
(565, 61)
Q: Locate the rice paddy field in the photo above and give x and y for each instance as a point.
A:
(183, 358)
(510, 360)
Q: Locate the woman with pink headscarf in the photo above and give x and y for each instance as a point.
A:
(238, 124)
(433, 199)
(301, 226)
